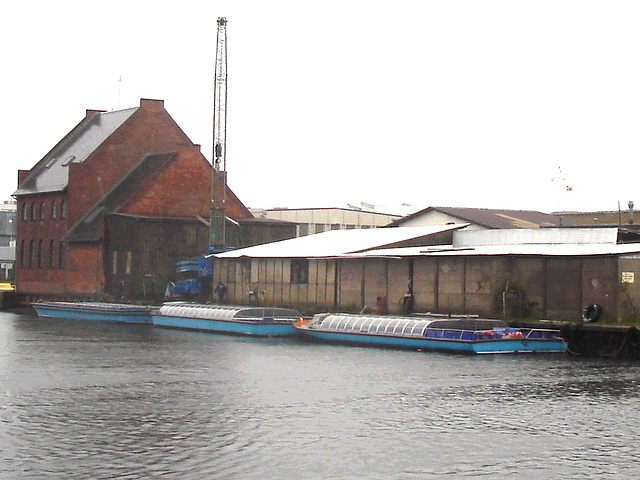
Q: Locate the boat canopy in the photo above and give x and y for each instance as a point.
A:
(229, 313)
(405, 326)
(97, 306)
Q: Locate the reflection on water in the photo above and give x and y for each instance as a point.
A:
(83, 400)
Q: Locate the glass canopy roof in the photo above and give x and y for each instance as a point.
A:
(398, 325)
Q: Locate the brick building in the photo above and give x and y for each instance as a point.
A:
(113, 205)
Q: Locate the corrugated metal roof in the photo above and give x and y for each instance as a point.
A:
(547, 236)
(491, 218)
(51, 174)
(371, 243)
(496, 250)
(338, 242)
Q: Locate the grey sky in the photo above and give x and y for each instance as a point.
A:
(458, 103)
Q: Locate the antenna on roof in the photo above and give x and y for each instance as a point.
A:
(119, 90)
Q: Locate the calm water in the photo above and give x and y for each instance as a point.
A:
(84, 400)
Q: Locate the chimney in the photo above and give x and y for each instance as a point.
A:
(151, 104)
(91, 113)
(630, 213)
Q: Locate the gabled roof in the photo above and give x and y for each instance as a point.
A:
(51, 174)
(490, 218)
(339, 242)
(89, 227)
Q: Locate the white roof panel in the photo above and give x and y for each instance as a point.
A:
(548, 236)
(542, 250)
(337, 242)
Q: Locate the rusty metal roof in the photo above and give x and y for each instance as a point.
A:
(490, 218)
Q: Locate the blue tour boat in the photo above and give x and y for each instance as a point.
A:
(464, 335)
(242, 320)
(103, 312)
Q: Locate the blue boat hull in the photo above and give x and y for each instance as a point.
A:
(112, 313)
(257, 328)
(515, 345)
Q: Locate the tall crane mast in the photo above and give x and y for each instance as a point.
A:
(217, 239)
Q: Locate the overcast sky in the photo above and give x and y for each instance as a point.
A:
(442, 103)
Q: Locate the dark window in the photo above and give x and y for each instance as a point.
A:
(22, 253)
(299, 270)
(54, 209)
(61, 255)
(52, 254)
(25, 212)
(34, 213)
(245, 266)
(32, 247)
(41, 210)
(40, 253)
(63, 209)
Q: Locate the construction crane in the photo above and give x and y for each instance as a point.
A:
(217, 240)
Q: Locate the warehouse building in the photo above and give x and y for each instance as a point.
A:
(547, 273)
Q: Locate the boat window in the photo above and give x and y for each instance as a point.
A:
(400, 327)
(371, 325)
(355, 326)
(379, 325)
(366, 324)
(338, 324)
(391, 325)
(327, 322)
(418, 328)
(408, 327)
(331, 322)
(348, 321)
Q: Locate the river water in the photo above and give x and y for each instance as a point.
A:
(81, 400)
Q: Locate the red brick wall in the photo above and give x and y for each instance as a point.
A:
(38, 271)
(181, 189)
(84, 273)
(149, 130)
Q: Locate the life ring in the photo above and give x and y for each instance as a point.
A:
(592, 313)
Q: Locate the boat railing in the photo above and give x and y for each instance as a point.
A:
(541, 333)
(493, 334)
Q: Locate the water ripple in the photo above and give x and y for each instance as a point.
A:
(89, 401)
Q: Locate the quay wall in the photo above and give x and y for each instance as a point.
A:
(509, 286)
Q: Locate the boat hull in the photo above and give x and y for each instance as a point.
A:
(489, 346)
(238, 327)
(100, 312)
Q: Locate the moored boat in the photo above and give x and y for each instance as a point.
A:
(242, 320)
(464, 335)
(96, 311)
